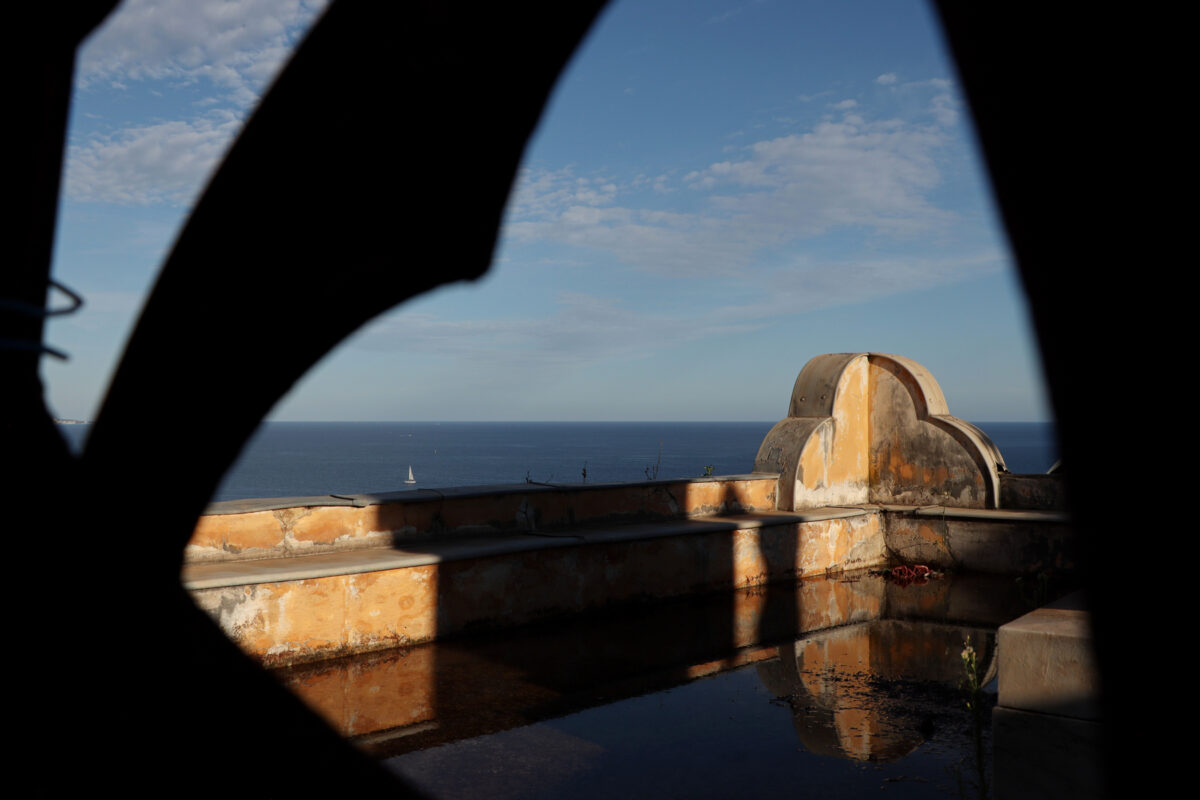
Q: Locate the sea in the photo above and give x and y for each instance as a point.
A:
(294, 459)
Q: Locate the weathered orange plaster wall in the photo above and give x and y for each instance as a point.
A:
(236, 533)
(725, 497)
(305, 530)
(848, 461)
(913, 461)
(807, 549)
(833, 462)
(874, 427)
(301, 620)
(325, 617)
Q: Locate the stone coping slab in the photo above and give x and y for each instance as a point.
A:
(207, 575)
(1046, 661)
(983, 514)
(422, 495)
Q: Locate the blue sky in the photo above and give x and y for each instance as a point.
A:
(718, 192)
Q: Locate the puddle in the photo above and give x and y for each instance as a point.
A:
(847, 687)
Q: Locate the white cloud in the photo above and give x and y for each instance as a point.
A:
(940, 84)
(875, 176)
(235, 47)
(166, 162)
(945, 109)
(553, 206)
(541, 192)
(845, 105)
(239, 45)
(729, 14)
(758, 215)
(886, 79)
(580, 328)
(808, 284)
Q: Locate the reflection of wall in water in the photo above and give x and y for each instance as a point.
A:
(837, 684)
(416, 697)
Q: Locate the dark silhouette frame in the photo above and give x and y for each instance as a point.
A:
(299, 223)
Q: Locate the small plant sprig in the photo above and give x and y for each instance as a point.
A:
(708, 470)
(971, 683)
(653, 476)
(973, 689)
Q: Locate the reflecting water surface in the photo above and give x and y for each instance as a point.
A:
(844, 686)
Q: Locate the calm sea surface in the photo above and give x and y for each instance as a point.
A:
(287, 459)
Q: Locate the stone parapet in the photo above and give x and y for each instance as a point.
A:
(995, 541)
(283, 527)
(1043, 492)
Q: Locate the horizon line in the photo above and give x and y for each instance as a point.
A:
(66, 421)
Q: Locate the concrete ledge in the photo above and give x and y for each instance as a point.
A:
(455, 492)
(990, 514)
(1046, 662)
(251, 505)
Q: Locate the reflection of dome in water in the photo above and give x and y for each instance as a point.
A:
(833, 684)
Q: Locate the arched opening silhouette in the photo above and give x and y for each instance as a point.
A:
(176, 477)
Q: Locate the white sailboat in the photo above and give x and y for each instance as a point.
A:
(410, 478)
